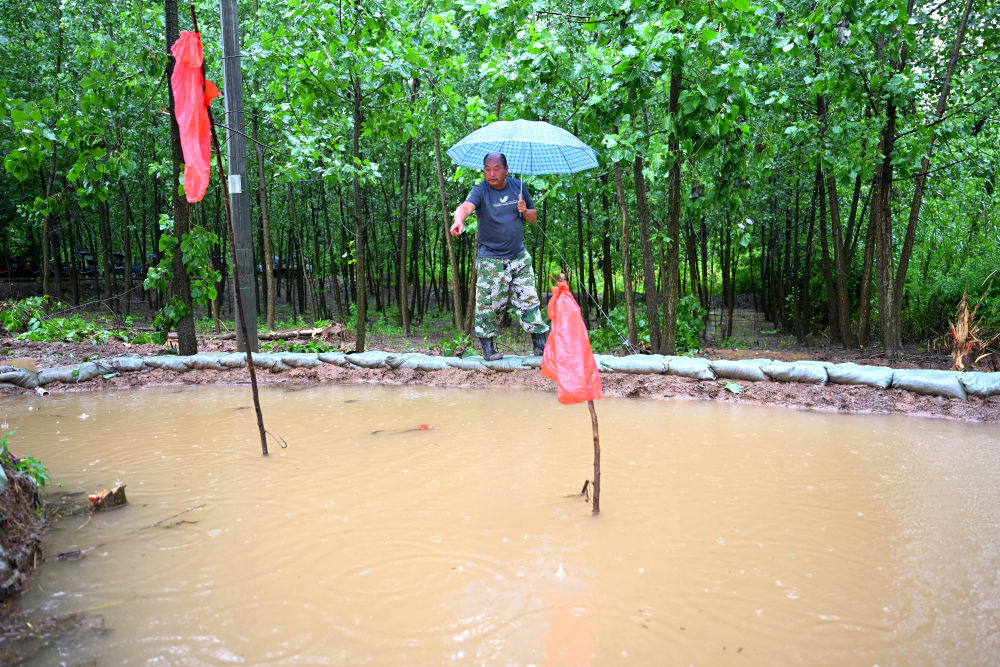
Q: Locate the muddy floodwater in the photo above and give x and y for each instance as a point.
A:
(768, 536)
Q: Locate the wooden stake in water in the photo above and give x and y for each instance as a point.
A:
(597, 459)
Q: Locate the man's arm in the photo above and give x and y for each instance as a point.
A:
(461, 213)
(530, 215)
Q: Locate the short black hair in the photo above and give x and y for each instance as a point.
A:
(503, 158)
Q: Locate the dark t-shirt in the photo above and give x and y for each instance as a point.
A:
(501, 231)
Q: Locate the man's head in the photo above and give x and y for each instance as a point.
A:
(495, 170)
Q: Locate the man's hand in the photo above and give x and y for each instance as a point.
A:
(457, 228)
(521, 206)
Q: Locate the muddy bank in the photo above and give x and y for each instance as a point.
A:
(845, 398)
(20, 533)
(830, 398)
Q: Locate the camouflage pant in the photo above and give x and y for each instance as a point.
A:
(503, 279)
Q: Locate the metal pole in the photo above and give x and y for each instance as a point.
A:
(236, 154)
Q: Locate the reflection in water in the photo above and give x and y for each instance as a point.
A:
(781, 536)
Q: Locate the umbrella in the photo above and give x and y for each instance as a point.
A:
(531, 147)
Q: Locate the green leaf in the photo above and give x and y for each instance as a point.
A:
(734, 388)
(742, 5)
(108, 376)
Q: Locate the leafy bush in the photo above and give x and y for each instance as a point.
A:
(312, 346)
(931, 303)
(689, 326)
(455, 346)
(27, 313)
(28, 465)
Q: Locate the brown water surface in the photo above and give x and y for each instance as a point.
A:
(780, 536)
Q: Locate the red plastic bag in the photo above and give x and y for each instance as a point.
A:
(192, 95)
(568, 357)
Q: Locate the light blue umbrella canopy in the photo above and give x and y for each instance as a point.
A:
(531, 147)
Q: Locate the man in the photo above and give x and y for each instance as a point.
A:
(504, 266)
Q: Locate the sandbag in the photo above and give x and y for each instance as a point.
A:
(981, 384)
(746, 369)
(20, 377)
(690, 367)
(851, 373)
(300, 359)
(644, 364)
(370, 359)
(168, 363)
(930, 383)
(91, 370)
(61, 374)
(127, 364)
(505, 365)
(335, 358)
(421, 362)
(808, 372)
(204, 362)
(466, 363)
(271, 362)
(233, 360)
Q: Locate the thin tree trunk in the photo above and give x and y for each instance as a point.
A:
(918, 191)
(361, 297)
(457, 303)
(633, 334)
(649, 268)
(127, 210)
(187, 340)
(404, 289)
(672, 293)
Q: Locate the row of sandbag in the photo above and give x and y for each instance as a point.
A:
(951, 384)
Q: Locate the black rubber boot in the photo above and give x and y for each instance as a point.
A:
(489, 352)
(538, 342)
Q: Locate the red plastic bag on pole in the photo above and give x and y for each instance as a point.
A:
(192, 95)
(568, 357)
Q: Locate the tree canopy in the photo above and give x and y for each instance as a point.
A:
(838, 160)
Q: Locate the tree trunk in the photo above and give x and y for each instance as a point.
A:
(265, 221)
(918, 190)
(361, 296)
(459, 319)
(50, 180)
(649, 268)
(633, 334)
(839, 262)
(668, 344)
(127, 210)
(581, 276)
(404, 288)
(187, 340)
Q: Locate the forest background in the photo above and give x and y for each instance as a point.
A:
(835, 163)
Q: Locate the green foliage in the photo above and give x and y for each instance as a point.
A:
(689, 324)
(613, 335)
(27, 316)
(196, 247)
(934, 301)
(312, 346)
(27, 313)
(735, 388)
(28, 465)
(454, 346)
